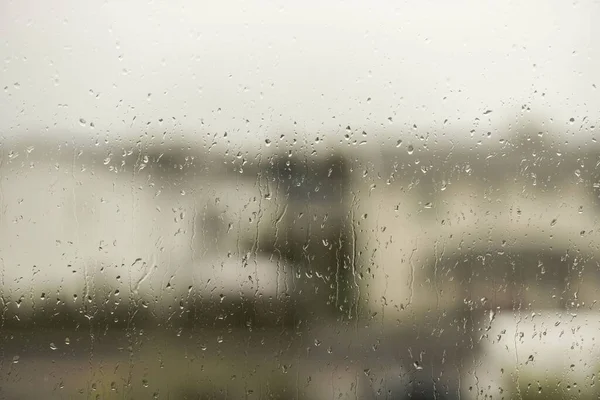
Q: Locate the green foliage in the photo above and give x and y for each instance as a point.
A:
(553, 388)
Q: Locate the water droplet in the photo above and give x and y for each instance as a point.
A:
(82, 121)
(410, 149)
(16, 359)
(399, 143)
(417, 365)
(553, 222)
(52, 346)
(267, 142)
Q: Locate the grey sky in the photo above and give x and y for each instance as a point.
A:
(273, 63)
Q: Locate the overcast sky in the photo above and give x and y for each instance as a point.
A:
(315, 62)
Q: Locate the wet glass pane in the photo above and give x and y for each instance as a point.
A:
(299, 200)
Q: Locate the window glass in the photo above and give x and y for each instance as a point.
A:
(299, 200)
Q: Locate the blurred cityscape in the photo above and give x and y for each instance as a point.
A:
(358, 269)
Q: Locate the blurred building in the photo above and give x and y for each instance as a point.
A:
(108, 232)
(531, 355)
(424, 246)
(478, 228)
